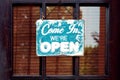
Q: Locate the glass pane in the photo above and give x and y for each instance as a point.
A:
(25, 61)
(93, 61)
(59, 65)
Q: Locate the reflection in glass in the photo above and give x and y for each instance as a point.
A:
(92, 63)
(61, 65)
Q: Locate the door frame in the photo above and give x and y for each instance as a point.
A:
(6, 39)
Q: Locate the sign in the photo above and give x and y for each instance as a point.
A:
(60, 37)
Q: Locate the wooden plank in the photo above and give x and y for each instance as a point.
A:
(114, 40)
(5, 21)
(92, 1)
(26, 1)
(59, 1)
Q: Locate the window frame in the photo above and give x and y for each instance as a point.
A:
(76, 4)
